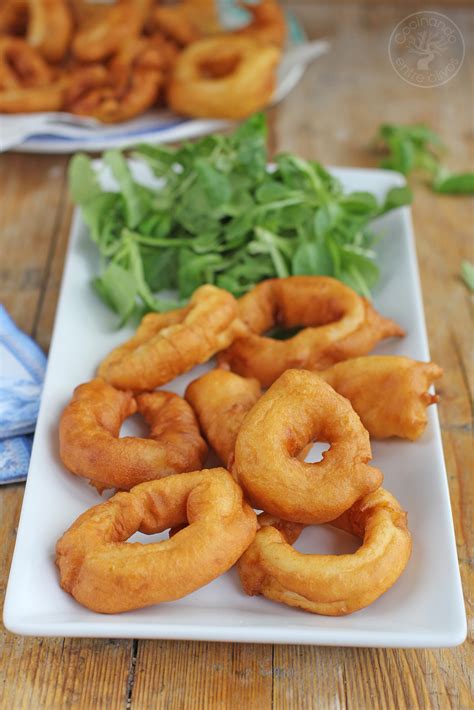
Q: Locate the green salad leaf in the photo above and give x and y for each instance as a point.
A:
(417, 148)
(220, 215)
(467, 273)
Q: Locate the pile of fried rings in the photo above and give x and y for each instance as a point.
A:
(114, 62)
(259, 409)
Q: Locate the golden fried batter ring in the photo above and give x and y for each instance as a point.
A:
(388, 392)
(21, 66)
(105, 574)
(90, 446)
(268, 24)
(130, 86)
(300, 408)
(338, 324)
(221, 401)
(27, 83)
(203, 14)
(223, 77)
(105, 35)
(332, 585)
(168, 344)
(13, 17)
(50, 27)
(176, 24)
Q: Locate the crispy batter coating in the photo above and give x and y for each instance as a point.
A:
(268, 24)
(21, 66)
(27, 83)
(105, 574)
(332, 585)
(168, 344)
(90, 446)
(388, 392)
(127, 87)
(105, 35)
(225, 76)
(13, 17)
(337, 324)
(300, 408)
(221, 400)
(176, 24)
(204, 15)
(50, 28)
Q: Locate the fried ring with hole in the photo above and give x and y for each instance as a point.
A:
(90, 446)
(388, 392)
(50, 28)
(105, 574)
(223, 77)
(300, 408)
(169, 344)
(332, 585)
(268, 24)
(337, 324)
(221, 400)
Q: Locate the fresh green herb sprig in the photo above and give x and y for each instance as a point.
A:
(467, 273)
(417, 148)
(221, 216)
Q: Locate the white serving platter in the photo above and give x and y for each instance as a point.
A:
(425, 608)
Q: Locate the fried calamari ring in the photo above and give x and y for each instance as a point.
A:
(21, 66)
(89, 443)
(221, 401)
(338, 324)
(13, 17)
(105, 35)
(388, 392)
(27, 83)
(105, 574)
(50, 27)
(300, 408)
(332, 585)
(176, 24)
(169, 344)
(129, 87)
(203, 14)
(268, 24)
(223, 77)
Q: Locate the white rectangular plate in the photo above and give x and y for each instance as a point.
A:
(424, 608)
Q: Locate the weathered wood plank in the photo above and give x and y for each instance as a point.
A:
(31, 189)
(202, 676)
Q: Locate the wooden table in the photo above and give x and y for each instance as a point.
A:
(332, 116)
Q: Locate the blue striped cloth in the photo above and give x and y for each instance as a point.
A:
(22, 368)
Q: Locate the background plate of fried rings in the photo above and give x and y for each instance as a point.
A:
(423, 609)
(158, 126)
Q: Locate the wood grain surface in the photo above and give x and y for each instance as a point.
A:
(331, 116)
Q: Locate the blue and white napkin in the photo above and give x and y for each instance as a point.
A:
(22, 368)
